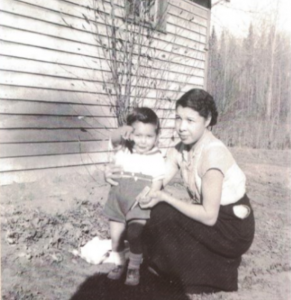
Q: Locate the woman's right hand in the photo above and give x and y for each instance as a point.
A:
(109, 171)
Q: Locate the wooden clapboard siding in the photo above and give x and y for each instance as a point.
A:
(82, 86)
(66, 60)
(60, 135)
(90, 51)
(17, 107)
(59, 148)
(30, 93)
(55, 113)
(195, 40)
(61, 21)
(52, 161)
(25, 65)
(61, 122)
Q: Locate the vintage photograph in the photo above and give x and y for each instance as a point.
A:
(145, 149)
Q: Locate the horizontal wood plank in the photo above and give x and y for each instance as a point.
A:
(61, 122)
(14, 107)
(51, 161)
(7, 178)
(41, 149)
(51, 95)
(60, 135)
(14, 92)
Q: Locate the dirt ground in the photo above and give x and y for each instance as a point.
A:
(42, 222)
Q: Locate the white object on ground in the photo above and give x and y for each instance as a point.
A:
(96, 251)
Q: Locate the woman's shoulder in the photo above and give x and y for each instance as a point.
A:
(215, 154)
(214, 144)
(174, 152)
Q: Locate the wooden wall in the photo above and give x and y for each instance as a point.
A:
(54, 112)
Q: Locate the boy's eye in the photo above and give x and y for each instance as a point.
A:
(191, 121)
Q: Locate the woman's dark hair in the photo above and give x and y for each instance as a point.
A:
(144, 115)
(200, 101)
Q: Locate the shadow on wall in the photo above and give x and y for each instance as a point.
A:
(151, 287)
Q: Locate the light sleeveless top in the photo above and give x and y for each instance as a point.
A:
(208, 153)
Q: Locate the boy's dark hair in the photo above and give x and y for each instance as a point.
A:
(144, 115)
(200, 101)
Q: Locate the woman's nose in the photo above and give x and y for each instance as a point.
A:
(182, 125)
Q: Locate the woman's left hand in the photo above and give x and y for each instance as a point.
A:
(153, 199)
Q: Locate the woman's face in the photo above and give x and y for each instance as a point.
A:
(190, 126)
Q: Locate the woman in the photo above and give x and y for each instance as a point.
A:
(199, 243)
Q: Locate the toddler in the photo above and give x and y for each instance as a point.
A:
(142, 166)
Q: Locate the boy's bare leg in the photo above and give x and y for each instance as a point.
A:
(117, 232)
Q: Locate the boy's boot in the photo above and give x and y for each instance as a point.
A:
(133, 276)
(120, 266)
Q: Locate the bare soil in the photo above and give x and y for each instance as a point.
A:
(42, 222)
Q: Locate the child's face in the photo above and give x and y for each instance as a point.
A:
(144, 136)
(190, 126)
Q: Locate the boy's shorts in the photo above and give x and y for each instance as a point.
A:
(121, 198)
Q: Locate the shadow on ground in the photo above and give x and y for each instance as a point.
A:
(99, 287)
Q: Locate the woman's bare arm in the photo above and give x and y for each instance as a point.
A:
(206, 213)
(171, 166)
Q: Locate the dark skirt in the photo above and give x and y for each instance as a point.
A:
(201, 258)
(121, 199)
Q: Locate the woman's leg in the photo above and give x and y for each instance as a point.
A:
(117, 231)
(190, 252)
(134, 237)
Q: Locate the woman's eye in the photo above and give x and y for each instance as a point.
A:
(190, 121)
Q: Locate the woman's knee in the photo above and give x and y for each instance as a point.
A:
(164, 212)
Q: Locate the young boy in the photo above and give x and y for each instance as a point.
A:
(143, 166)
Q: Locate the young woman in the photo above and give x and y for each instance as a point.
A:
(199, 243)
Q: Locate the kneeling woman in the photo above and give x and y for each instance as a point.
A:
(200, 243)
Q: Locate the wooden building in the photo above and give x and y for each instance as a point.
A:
(54, 114)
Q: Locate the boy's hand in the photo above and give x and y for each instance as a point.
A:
(109, 173)
(126, 131)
